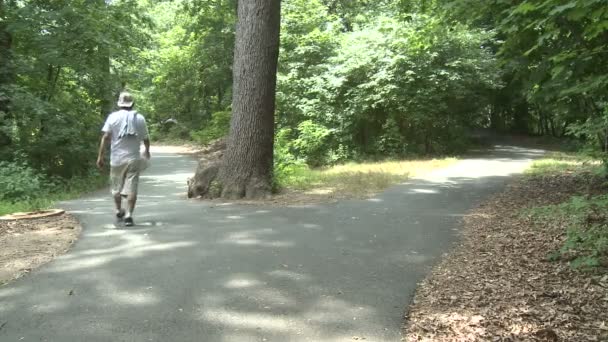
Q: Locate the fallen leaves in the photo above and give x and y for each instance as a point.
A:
(498, 284)
(28, 243)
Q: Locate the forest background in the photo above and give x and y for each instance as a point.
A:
(357, 79)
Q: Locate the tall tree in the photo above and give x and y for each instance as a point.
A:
(247, 167)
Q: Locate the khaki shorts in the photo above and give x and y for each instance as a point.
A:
(124, 179)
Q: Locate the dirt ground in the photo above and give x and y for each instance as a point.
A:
(29, 243)
(498, 285)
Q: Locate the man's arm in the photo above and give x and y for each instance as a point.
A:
(147, 146)
(143, 133)
(105, 140)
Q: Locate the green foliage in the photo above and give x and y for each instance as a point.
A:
(20, 183)
(185, 72)
(390, 86)
(586, 219)
(23, 188)
(216, 128)
(356, 79)
(286, 165)
(560, 162)
(311, 142)
(60, 68)
(594, 131)
(553, 56)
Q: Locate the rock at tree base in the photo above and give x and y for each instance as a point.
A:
(204, 183)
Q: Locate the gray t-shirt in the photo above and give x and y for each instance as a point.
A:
(127, 148)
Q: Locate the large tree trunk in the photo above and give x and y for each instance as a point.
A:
(247, 165)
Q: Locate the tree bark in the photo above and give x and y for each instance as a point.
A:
(247, 166)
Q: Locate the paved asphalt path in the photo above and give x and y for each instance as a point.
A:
(195, 271)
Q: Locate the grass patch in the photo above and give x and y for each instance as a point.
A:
(47, 198)
(563, 162)
(356, 179)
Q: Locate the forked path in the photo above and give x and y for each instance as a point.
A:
(194, 271)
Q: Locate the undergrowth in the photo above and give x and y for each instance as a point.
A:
(584, 216)
(561, 162)
(24, 189)
(586, 219)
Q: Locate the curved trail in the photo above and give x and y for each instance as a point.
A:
(194, 271)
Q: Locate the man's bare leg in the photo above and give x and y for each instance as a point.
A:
(118, 203)
(131, 200)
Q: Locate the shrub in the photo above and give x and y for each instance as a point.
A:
(218, 127)
(178, 132)
(310, 144)
(286, 164)
(19, 182)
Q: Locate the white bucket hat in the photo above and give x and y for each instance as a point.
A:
(125, 99)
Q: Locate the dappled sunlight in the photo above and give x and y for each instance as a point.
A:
(10, 292)
(290, 275)
(359, 179)
(241, 281)
(49, 306)
(229, 272)
(560, 162)
(321, 191)
(410, 258)
(423, 191)
(256, 242)
(273, 298)
(332, 309)
(89, 212)
(509, 161)
(174, 177)
(281, 315)
(311, 226)
(133, 245)
(250, 233)
(251, 320)
(100, 258)
(140, 196)
(470, 324)
(141, 297)
(255, 238)
(96, 200)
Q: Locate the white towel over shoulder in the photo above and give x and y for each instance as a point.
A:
(128, 126)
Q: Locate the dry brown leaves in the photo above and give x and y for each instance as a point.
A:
(497, 284)
(29, 243)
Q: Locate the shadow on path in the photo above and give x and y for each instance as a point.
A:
(194, 271)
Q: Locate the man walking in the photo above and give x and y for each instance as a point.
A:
(125, 129)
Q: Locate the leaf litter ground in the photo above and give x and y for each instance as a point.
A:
(498, 284)
(29, 243)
